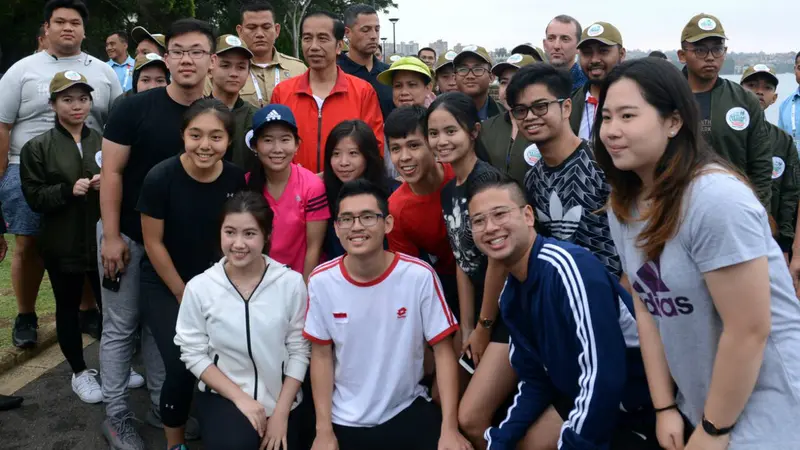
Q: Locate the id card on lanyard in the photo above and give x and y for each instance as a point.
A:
(259, 94)
(794, 126)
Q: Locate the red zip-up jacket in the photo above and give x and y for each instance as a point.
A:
(351, 98)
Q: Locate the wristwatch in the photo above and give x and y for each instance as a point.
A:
(486, 323)
(712, 429)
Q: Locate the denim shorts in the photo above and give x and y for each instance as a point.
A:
(20, 220)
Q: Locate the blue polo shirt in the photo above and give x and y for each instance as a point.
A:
(124, 72)
(785, 117)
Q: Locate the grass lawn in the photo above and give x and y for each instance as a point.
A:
(45, 305)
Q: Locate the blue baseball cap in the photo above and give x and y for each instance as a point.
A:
(271, 114)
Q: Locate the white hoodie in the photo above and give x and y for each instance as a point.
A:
(254, 343)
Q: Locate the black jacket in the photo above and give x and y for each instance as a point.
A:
(50, 165)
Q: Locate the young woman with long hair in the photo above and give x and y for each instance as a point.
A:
(240, 330)
(716, 311)
(295, 194)
(351, 152)
(180, 204)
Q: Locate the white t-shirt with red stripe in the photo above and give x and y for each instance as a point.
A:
(379, 332)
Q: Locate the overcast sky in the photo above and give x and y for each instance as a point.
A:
(770, 25)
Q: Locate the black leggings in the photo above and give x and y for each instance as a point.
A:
(68, 292)
(224, 427)
(160, 313)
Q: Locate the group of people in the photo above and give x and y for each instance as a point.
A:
(355, 255)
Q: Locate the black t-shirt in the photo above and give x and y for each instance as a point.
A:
(459, 229)
(150, 123)
(190, 211)
(704, 100)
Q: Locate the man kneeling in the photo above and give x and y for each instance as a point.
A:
(370, 315)
(574, 343)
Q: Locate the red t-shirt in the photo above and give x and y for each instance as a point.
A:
(419, 225)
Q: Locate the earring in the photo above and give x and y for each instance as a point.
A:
(671, 134)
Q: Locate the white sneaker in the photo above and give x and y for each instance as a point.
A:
(86, 387)
(135, 380)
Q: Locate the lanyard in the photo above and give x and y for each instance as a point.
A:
(794, 118)
(127, 75)
(258, 88)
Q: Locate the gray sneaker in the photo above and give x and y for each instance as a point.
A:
(191, 433)
(121, 434)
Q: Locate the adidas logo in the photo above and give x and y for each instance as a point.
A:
(273, 115)
(562, 225)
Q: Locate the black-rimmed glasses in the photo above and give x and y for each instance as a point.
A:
(538, 109)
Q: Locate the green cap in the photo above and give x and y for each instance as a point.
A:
(407, 63)
(759, 68)
(473, 50)
(602, 32)
(517, 60)
(528, 49)
(229, 42)
(143, 61)
(65, 80)
(445, 59)
(702, 26)
(139, 34)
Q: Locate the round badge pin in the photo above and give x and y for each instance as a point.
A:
(233, 41)
(778, 167)
(394, 58)
(707, 24)
(761, 68)
(451, 55)
(152, 57)
(515, 58)
(72, 75)
(737, 118)
(532, 155)
(98, 158)
(595, 30)
(470, 48)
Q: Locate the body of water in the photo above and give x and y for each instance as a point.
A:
(786, 87)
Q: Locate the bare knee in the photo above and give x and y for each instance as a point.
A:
(474, 421)
(25, 248)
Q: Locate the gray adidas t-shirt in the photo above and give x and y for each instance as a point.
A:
(25, 92)
(723, 224)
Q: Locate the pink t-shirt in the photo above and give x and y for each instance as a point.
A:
(304, 200)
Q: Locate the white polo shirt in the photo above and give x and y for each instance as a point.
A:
(378, 330)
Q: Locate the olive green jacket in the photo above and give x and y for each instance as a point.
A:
(50, 164)
(785, 186)
(239, 153)
(740, 134)
(505, 154)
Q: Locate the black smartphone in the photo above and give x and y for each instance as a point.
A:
(467, 363)
(112, 284)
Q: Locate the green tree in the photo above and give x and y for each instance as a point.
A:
(20, 20)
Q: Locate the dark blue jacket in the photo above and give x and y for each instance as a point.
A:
(573, 337)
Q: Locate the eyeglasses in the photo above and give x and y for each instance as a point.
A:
(479, 71)
(499, 216)
(367, 220)
(539, 109)
(701, 52)
(194, 53)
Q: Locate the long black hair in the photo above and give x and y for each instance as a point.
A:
(460, 106)
(367, 143)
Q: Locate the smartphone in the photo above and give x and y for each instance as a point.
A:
(467, 363)
(112, 284)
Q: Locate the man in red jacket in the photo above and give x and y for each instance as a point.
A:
(325, 96)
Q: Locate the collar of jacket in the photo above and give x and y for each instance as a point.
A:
(304, 83)
(378, 66)
(236, 105)
(717, 83)
(84, 131)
